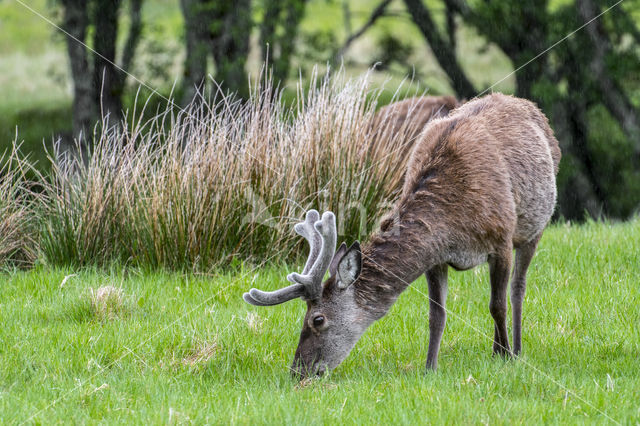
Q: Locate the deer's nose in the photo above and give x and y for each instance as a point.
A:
(301, 370)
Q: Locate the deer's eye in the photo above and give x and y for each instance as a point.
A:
(318, 320)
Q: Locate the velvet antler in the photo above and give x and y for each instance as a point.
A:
(321, 235)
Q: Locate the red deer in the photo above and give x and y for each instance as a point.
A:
(480, 183)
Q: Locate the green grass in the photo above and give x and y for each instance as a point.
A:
(186, 348)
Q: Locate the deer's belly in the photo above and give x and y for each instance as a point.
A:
(462, 261)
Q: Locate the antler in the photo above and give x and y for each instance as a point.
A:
(321, 235)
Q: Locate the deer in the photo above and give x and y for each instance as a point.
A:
(480, 184)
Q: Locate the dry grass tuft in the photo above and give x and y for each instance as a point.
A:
(17, 218)
(203, 352)
(254, 322)
(198, 188)
(108, 302)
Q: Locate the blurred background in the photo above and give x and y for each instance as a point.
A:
(52, 87)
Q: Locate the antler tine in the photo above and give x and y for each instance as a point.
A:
(309, 232)
(269, 298)
(312, 279)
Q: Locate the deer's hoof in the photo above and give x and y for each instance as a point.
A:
(504, 352)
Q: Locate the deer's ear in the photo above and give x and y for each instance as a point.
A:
(349, 266)
(333, 267)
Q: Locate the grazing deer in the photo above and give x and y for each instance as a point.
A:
(480, 183)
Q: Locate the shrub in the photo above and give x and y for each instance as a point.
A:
(199, 187)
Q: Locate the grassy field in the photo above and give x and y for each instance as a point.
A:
(170, 348)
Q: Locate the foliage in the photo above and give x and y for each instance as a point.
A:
(586, 85)
(317, 45)
(393, 50)
(190, 350)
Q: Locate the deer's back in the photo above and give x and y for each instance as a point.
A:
(488, 169)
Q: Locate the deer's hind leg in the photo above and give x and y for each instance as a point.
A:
(524, 254)
(499, 270)
(437, 280)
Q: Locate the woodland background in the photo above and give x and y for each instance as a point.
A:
(588, 85)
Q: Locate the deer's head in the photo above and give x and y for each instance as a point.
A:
(334, 322)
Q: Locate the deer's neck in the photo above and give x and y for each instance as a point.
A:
(391, 261)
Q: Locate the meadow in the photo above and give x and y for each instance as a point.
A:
(122, 272)
(163, 347)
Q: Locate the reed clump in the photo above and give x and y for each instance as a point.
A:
(196, 188)
(18, 221)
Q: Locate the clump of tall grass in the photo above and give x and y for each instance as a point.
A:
(108, 302)
(18, 226)
(223, 180)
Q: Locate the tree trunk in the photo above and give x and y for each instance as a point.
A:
(522, 36)
(75, 22)
(441, 49)
(578, 128)
(106, 76)
(578, 195)
(451, 26)
(272, 10)
(278, 34)
(526, 77)
(196, 21)
(530, 41)
(230, 30)
(135, 30)
(294, 13)
(613, 98)
(584, 190)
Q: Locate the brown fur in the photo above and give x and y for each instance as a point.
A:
(469, 183)
(480, 182)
